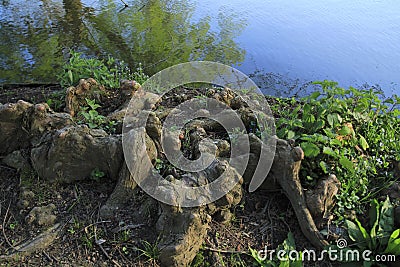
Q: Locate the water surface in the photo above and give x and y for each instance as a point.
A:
(282, 44)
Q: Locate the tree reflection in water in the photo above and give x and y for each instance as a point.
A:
(36, 36)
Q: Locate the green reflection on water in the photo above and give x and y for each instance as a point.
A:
(36, 37)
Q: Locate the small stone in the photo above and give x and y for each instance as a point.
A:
(23, 204)
(170, 178)
(16, 160)
(224, 216)
(26, 194)
(40, 107)
(25, 198)
(42, 215)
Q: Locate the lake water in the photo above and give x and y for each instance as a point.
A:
(281, 44)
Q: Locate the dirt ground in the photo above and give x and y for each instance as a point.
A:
(263, 219)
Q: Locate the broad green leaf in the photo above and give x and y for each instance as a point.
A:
(330, 119)
(310, 138)
(321, 110)
(344, 131)
(324, 166)
(329, 151)
(386, 221)
(310, 149)
(289, 243)
(335, 142)
(374, 221)
(71, 77)
(290, 134)
(357, 235)
(318, 125)
(393, 246)
(363, 143)
(93, 113)
(346, 163)
(315, 95)
(329, 133)
(365, 234)
(339, 118)
(395, 234)
(307, 109)
(86, 115)
(308, 119)
(254, 254)
(334, 119)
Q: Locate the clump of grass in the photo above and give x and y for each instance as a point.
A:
(150, 251)
(107, 72)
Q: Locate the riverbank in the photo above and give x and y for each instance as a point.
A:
(260, 219)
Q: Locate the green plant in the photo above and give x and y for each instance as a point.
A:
(138, 75)
(150, 251)
(13, 225)
(96, 174)
(381, 238)
(125, 235)
(353, 133)
(76, 225)
(199, 260)
(235, 260)
(159, 164)
(271, 260)
(107, 72)
(90, 115)
(56, 100)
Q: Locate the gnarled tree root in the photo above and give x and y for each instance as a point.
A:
(285, 170)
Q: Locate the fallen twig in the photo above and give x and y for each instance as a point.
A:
(225, 251)
(100, 244)
(95, 223)
(129, 226)
(3, 227)
(108, 256)
(48, 257)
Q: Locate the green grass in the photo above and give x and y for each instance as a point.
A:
(106, 72)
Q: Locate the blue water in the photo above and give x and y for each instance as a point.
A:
(287, 43)
(352, 42)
